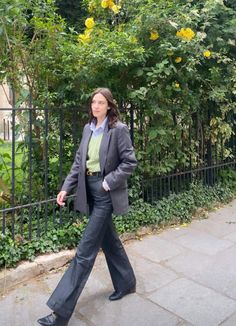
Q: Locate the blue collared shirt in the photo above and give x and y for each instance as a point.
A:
(97, 132)
(100, 130)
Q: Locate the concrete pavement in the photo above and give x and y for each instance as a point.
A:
(186, 276)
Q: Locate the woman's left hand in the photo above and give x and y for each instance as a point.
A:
(105, 185)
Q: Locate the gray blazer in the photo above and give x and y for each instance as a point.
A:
(117, 162)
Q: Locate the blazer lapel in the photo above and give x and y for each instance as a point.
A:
(104, 147)
(86, 138)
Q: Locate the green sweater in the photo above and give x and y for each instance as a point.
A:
(92, 163)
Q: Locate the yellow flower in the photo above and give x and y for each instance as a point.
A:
(104, 4)
(186, 34)
(88, 31)
(84, 37)
(89, 22)
(154, 35)
(207, 53)
(110, 4)
(178, 59)
(115, 9)
(177, 85)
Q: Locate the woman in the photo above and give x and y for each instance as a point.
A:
(103, 162)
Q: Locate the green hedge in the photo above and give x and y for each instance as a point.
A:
(177, 208)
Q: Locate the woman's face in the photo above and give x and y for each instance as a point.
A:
(99, 106)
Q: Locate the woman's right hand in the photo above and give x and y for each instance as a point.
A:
(61, 197)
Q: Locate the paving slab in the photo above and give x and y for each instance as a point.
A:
(202, 242)
(225, 213)
(230, 237)
(131, 310)
(193, 302)
(192, 264)
(231, 321)
(155, 249)
(173, 232)
(151, 275)
(218, 272)
(214, 227)
(186, 276)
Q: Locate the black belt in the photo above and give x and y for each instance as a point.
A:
(92, 174)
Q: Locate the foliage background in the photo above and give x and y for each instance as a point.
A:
(180, 91)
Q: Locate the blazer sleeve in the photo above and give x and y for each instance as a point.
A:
(71, 180)
(128, 161)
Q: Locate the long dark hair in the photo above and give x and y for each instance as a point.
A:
(113, 113)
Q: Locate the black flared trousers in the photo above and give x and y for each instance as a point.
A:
(99, 233)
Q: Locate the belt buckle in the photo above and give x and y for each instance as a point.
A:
(89, 173)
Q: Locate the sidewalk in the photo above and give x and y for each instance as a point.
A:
(185, 276)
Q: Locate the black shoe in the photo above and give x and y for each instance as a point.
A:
(53, 320)
(117, 295)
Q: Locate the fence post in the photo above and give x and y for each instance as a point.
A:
(13, 160)
(132, 124)
(4, 129)
(209, 151)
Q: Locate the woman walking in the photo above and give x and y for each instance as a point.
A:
(103, 162)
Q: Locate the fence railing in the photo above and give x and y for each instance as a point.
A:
(162, 186)
(38, 154)
(33, 219)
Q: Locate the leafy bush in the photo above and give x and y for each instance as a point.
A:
(12, 251)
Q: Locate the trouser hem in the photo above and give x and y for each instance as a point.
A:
(59, 310)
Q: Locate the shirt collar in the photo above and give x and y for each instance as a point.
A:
(93, 125)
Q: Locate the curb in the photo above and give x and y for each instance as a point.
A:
(28, 270)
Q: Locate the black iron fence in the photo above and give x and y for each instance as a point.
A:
(156, 188)
(34, 160)
(37, 155)
(5, 128)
